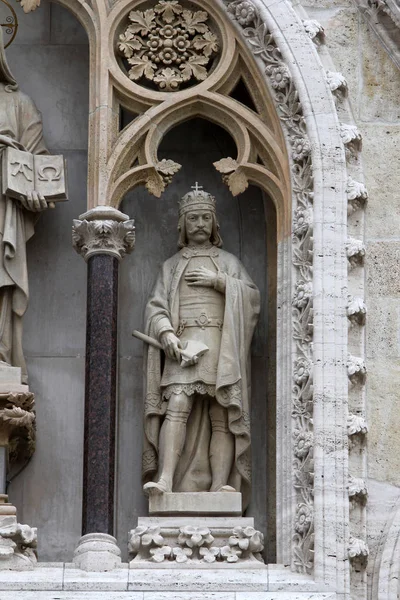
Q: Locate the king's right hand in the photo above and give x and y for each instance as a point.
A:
(171, 345)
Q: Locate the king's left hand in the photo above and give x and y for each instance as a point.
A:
(202, 277)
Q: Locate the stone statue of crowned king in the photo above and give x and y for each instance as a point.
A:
(197, 417)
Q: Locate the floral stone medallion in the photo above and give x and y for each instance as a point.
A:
(168, 45)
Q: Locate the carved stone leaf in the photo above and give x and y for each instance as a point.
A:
(194, 68)
(195, 20)
(142, 22)
(238, 182)
(226, 165)
(356, 424)
(17, 416)
(168, 9)
(155, 185)
(128, 43)
(166, 166)
(208, 43)
(29, 5)
(141, 66)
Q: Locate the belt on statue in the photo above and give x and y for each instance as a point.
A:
(201, 321)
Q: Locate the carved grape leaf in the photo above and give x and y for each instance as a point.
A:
(128, 43)
(29, 5)
(166, 166)
(142, 22)
(238, 182)
(17, 416)
(193, 67)
(208, 43)
(141, 66)
(155, 185)
(168, 9)
(195, 20)
(226, 165)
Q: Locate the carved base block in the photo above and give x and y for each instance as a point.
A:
(10, 379)
(196, 541)
(197, 504)
(97, 552)
(17, 542)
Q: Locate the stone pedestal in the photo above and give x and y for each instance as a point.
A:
(17, 421)
(196, 504)
(17, 542)
(197, 541)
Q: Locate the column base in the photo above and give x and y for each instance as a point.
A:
(97, 552)
(17, 542)
(172, 542)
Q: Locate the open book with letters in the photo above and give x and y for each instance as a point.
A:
(24, 172)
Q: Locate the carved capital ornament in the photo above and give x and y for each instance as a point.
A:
(103, 230)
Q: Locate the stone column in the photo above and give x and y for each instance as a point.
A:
(102, 236)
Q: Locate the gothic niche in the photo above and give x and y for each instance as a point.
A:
(248, 230)
(168, 46)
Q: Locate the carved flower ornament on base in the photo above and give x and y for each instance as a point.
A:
(168, 46)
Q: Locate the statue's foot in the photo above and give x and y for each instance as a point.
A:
(224, 488)
(155, 487)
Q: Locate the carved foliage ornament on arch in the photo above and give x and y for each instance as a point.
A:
(168, 46)
(263, 45)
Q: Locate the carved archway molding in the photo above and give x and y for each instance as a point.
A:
(313, 506)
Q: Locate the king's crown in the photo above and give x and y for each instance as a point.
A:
(197, 199)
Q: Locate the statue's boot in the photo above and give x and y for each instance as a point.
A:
(155, 487)
(172, 441)
(222, 450)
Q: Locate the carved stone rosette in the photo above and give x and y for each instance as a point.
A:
(168, 46)
(103, 230)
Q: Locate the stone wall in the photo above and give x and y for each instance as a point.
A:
(374, 83)
(49, 59)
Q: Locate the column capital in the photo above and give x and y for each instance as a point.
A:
(103, 230)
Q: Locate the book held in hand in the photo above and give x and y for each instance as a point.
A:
(24, 172)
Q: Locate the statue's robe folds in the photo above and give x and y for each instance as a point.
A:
(232, 379)
(21, 128)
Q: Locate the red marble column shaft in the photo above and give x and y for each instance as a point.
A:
(100, 395)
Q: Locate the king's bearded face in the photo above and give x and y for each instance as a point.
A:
(199, 224)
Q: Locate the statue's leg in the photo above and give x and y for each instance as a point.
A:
(172, 441)
(222, 448)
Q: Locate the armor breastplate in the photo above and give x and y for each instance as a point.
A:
(200, 306)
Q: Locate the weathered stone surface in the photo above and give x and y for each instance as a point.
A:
(383, 328)
(64, 28)
(384, 419)
(380, 80)
(382, 178)
(383, 269)
(61, 94)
